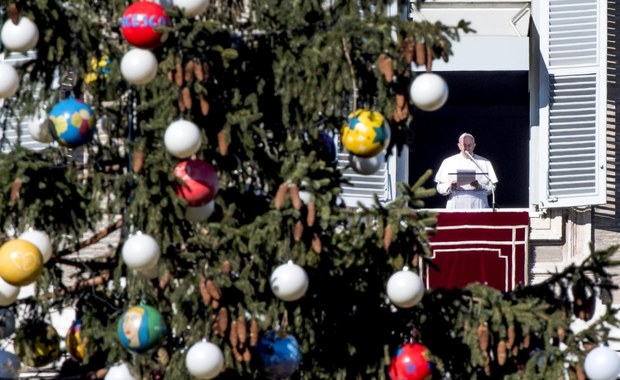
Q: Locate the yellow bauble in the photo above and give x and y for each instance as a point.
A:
(365, 134)
(21, 262)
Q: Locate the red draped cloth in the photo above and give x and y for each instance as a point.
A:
(487, 247)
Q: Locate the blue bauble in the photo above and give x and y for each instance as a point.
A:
(72, 122)
(9, 365)
(280, 354)
(7, 323)
(141, 328)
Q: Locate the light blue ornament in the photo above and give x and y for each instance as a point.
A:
(280, 354)
(9, 365)
(7, 323)
(141, 328)
(72, 122)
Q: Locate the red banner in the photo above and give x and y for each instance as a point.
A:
(490, 247)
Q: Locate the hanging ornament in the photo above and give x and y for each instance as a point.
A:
(21, 36)
(10, 365)
(21, 262)
(76, 344)
(41, 240)
(182, 139)
(411, 362)
(366, 165)
(199, 182)
(120, 371)
(191, 8)
(366, 133)
(7, 323)
(9, 80)
(139, 66)
(429, 92)
(289, 282)
(279, 353)
(141, 251)
(140, 22)
(204, 360)
(199, 213)
(39, 128)
(602, 363)
(37, 344)
(72, 122)
(8, 293)
(405, 288)
(141, 328)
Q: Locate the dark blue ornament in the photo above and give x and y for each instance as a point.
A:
(280, 354)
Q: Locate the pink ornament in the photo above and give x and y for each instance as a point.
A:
(200, 182)
(140, 21)
(411, 363)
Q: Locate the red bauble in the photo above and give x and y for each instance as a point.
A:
(139, 24)
(200, 182)
(411, 362)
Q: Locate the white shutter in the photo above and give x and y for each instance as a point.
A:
(572, 102)
(361, 188)
(25, 139)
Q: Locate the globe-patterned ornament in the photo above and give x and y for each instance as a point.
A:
(72, 122)
(365, 134)
(141, 328)
(411, 362)
(280, 354)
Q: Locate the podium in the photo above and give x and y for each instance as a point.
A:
(490, 247)
(468, 199)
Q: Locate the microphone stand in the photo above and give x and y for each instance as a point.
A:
(486, 175)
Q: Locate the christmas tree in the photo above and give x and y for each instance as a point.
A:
(198, 140)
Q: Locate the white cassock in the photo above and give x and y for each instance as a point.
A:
(466, 196)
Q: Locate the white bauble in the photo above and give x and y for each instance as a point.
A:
(182, 139)
(20, 37)
(9, 80)
(289, 282)
(39, 129)
(41, 240)
(119, 372)
(405, 288)
(141, 252)
(191, 8)
(602, 363)
(366, 165)
(139, 66)
(8, 293)
(204, 360)
(199, 213)
(429, 92)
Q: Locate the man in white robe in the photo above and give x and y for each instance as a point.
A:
(466, 178)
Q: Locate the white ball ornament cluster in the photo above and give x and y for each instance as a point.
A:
(9, 80)
(20, 37)
(139, 66)
(289, 281)
(182, 139)
(39, 129)
(191, 8)
(405, 288)
(204, 360)
(41, 240)
(141, 252)
(602, 363)
(367, 165)
(429, 92)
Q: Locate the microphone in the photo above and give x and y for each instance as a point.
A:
(485, 174)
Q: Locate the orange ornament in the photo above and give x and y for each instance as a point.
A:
(21, 262)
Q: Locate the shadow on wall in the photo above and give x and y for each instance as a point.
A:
(494, 107)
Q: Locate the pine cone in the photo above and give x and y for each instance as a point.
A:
(293, 192)
(178, 75)
(253, 333)
(310, 213)
(298, 231)
(187, 98)
(317, 246)
(222, 143)
(408, 50)
(501, 352)
(420, 53)
(188, 72)
(198, 73)
(387, 236)
(280, 195)
(385, 66)
(204, 105)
